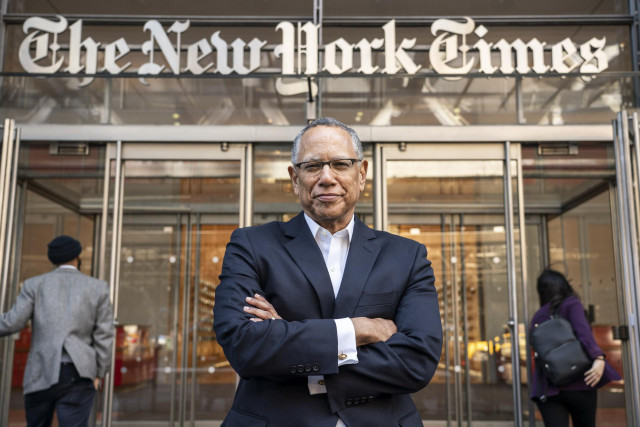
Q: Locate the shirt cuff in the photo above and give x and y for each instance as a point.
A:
(347, 350)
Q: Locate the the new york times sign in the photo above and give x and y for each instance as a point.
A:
(459, 48)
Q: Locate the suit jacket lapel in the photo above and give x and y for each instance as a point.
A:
(363, 252)
(305, 252)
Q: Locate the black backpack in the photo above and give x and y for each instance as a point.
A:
(558, 352)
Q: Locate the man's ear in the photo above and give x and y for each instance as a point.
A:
(294, 179)
(363, 174)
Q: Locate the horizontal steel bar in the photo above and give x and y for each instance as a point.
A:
(332, 21)
(266, 134)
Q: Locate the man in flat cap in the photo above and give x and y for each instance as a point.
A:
(72, 333)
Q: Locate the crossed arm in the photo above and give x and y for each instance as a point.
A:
(368, 331)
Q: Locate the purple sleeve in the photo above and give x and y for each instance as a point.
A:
(575, 314)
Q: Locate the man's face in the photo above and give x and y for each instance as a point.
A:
(329, 197)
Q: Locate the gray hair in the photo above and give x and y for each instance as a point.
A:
(330, 122)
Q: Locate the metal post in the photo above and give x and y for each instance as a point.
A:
(194, 338)
(511, 279)
(114, 277)
(5, 184)
(379, 189)
(465, 322)
(628, 260)
(8, 170)
(186, 292)
(457, 383)
(445, 323)
(246, 187)
(175, 317)
(524, 279)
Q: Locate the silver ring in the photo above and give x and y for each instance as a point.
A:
(273, 317)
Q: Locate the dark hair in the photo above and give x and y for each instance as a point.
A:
(553, 288)
(330, 122)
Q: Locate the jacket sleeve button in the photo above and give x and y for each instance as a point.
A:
(300, 368)
(307, 368)
(349, 402)
(293, 369)
(315, 367)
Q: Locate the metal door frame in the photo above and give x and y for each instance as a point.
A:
(625, 205)
(119, 152)
(509, 153)
(8, 183)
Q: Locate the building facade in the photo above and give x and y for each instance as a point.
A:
(500, 134)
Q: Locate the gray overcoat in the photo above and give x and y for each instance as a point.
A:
(67, 309)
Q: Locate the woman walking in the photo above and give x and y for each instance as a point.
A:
(579, 398)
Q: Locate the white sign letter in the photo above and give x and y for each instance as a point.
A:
(194, 57)
(41, 40)
(75, 46)
(396, 58)
(594, 61)
(366, 61)
(330, 62)
(564, 56)
(438, 58)
(171, 55)
(286, 49)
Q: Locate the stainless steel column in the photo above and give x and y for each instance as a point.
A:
(8, 171)
(246, 187)
(380, 207)
(114, 276)
(196, 313)
(186, 292)
(627, 233)
(511, 279)
(6, 174)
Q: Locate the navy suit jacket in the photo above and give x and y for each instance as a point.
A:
(385, 276)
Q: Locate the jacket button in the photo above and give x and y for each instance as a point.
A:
(315, 367)
(349, 402)
(300, 368)
(307, 368)
(371, 398)
(356, 400)
(293, 370)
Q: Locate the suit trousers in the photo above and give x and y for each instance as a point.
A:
(71, 398)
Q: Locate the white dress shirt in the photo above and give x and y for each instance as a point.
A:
(335, 248)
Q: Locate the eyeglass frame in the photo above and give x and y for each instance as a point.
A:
(328, 162)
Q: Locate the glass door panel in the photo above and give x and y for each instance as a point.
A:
(452, 199)
(177, 218)
(571, 195)
(56, 194)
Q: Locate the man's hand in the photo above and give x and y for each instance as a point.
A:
(96, 383)
(369, 331)
(262, 309)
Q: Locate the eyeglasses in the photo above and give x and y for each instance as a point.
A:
(338, 166)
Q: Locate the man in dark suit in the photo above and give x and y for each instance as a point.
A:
(72, 333)
(327, 322)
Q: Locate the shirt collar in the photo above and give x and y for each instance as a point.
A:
(73, 267)
(314, 227)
